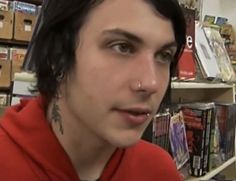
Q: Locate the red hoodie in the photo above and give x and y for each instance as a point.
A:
(31, 152)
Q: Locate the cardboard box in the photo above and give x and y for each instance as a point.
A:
(23, 26)
(16, 67)
(4, 5)
(6, 24)
(4, 53)
(5, 73)
(17, 56)
(2, 109)
(4, 99)
(24, 7)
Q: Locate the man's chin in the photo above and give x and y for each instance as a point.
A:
(127, 142)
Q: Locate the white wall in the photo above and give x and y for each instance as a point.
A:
(224, 8)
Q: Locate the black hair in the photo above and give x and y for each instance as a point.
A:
(172, 10)
(51, 53)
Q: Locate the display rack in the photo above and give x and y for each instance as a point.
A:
(214, 171)
(192, 92)
(13, 42)
(37, 2)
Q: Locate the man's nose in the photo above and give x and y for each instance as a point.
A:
(145, 75)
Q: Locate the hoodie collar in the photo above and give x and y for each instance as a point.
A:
(27, 125)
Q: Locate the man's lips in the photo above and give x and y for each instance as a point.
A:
(134, 116)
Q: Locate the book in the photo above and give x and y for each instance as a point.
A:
(24, 7)
(209, 19)
(215, 158)
(197, 119)
(186, 69)
(210, 118)
(178, 140)
(220, 53)
(4, 99)
(193, 4)
(206, 58)
(4, 5)
(220, 21)
(226, 117)
(4, 53)
(161, 123)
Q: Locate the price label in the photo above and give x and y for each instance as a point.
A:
(1, 24)
(28, 28)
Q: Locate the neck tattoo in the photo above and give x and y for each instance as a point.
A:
(56, 116)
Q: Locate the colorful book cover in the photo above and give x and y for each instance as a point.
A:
(160, 130)
(193, 4)
(221, 21)
(215, 158)
(220, 53)
(178, 140)
(226, 117)
(209, 19)
(195, 131)
(186, 69)
(197, 118)
(209, 120)
(206, 58)
(24, 7)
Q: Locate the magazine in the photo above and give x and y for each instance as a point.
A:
(178, 140)
(220, 53)
(186, 68)
(160, 130)
(193, 4)
(206, 58)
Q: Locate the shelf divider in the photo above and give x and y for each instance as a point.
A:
(214, 171)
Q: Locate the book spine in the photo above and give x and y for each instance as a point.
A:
(230, 140)
(213, 141)
(25, 7)
(207, 140)
(195, 131)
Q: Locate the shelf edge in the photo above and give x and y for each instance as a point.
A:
(214, 171)
(196, 85)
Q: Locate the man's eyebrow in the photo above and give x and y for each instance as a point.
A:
(172, 44)
(123, 33)
(134, 38)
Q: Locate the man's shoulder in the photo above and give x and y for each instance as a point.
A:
(14, 162)
(151, 151)
(10, 157)
(146, 161)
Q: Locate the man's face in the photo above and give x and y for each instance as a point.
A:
(122, 43)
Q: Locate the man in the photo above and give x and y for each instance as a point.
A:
(103, 68)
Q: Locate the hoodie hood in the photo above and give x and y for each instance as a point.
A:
(27, 126)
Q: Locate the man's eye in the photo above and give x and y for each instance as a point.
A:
(165, 57)
(123, 48)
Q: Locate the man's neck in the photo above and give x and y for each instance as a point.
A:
(88, 155)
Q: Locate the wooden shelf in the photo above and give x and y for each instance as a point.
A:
(37, 2)
(2, 109)
(202, 92)
(214, 172)
(197, 85)
(13, 42)
(4, 88)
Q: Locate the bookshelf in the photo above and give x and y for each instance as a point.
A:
(214, 172)
(37, 2)
(13, 42)
(192, 92)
